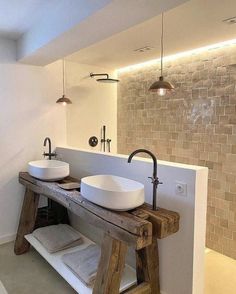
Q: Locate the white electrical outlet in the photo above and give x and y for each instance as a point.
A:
(180, 188)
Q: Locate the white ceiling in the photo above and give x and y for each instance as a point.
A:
(47, 30)
(191, 25)
(108, 31)
(17, 16)
(70, 25)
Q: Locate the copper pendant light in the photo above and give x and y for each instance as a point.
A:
(64, 100)
(161, 87)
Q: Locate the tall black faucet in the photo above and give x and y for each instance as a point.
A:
(154, 178)
(49, 154)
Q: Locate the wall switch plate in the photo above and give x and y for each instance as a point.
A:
(180, 188)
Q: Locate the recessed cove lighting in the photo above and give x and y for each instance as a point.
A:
(177, 55)
(231, 20)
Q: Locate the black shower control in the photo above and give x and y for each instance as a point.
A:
(93, 141)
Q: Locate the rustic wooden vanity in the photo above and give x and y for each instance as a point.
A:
(139, 228)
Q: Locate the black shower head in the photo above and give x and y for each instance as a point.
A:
(104, 80)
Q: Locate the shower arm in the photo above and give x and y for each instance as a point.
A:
(96, 75)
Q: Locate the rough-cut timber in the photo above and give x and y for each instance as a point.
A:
(147, 266)
(138, 228)
(110, 267)
(165, 222)
(27, 221)
(123, 226)
(143, 288)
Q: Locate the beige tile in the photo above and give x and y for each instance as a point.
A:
(195, 125)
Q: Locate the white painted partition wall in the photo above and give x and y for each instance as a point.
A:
(28, 115)
(182, 254)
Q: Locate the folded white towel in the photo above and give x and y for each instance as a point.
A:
(84, 263)
(57, 237)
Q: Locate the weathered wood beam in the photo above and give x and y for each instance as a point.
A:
(139, 228)
(111, 266)
(123, 226)
(27, 221)
(143, 288)
(147, 266)
(164, 222)
(111, 229)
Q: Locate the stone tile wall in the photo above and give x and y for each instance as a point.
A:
(195, 125)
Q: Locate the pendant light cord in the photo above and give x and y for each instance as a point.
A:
(162, 37)
(63, 72)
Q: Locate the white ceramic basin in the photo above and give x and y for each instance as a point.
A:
(48, 170)
(112, 192)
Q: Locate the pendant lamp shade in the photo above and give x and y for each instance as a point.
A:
(64, 100)
(161, 87)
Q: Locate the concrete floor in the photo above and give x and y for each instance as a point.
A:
(220, 274)
(30, 273)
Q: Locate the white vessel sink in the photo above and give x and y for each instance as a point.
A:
(112, 192)
(48, 170)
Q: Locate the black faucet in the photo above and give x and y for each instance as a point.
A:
(49, 154)
(154, 178)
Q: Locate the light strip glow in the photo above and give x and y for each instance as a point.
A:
(177, 55)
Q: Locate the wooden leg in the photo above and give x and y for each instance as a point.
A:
(147, 266)
(143, 288)
(110, 267)
(27, 221)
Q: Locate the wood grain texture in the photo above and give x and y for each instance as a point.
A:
(110, 228)
(123, 226)
(27, 221)
(111, 266)
(139, 228)
(147, 266)
(143, 288)
(137, 221)
(125, 220)
(165, 222)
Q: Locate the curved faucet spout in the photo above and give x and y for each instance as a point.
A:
(49, 154)
(47, 139)
(154, 178)
(149, 153)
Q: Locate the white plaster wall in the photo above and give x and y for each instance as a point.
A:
(28, 114)
(94, 105)
(182, 254)
(7, 50)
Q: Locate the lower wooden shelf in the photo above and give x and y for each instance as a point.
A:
(128, 278)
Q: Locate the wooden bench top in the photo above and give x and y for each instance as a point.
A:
(135, 227)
